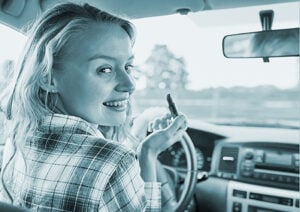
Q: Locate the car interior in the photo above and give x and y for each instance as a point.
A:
(224, 161)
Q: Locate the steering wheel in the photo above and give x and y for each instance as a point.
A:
(141, 125)
(191, 173)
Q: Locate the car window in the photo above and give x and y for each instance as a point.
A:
(11, 44)
(183, 55)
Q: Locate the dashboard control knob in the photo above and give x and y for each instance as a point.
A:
(249, 155)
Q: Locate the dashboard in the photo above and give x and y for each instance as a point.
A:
(250, 169)
(204, 145)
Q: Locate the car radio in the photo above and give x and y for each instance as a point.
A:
(267, 164)
(252, 198)
(280, 167)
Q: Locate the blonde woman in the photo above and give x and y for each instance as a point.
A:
(69, 112)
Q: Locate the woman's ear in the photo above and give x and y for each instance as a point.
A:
(48, 84)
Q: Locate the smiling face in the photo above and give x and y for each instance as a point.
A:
(94, 81)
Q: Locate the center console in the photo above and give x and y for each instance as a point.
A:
(252, 198)
(262, 177)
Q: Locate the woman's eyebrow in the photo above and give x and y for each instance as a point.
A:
(107, 57)
(131, 57)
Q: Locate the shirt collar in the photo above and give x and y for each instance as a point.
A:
(60, 123)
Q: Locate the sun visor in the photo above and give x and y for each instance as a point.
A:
(18, 13)
(13, 7)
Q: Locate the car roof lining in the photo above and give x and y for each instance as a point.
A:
(18, 13)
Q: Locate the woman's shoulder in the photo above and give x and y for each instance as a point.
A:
(81, 145)
(78, 165)
(112, 150)
(87, 161)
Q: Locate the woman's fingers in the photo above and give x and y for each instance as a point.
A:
(179, 124)
(160, 122)
(167, 132)
(173, 132)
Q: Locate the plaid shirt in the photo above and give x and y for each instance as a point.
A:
(71, 167)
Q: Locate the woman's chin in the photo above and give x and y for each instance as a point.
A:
(114, 119)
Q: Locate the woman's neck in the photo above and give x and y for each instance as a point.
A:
(107, 131)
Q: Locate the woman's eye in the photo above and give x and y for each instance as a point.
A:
(104, 70)
(129, 68)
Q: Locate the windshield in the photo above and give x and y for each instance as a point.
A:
(182, 55)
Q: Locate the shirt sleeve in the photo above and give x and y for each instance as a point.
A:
(126, 190)
(153, 196)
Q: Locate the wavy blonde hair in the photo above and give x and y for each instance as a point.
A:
(24, 101)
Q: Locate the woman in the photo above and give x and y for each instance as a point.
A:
(69, 111)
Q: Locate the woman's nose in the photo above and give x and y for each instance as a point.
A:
(126, 82)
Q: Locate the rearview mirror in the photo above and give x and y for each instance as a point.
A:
(270, 43)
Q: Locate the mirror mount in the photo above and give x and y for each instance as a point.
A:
(266, 20)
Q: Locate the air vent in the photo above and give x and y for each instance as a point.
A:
(228, 159)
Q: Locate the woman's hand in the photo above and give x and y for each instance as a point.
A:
(160, 122)
(167, 132)
(142, 122)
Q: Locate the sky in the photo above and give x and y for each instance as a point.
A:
(198, 38)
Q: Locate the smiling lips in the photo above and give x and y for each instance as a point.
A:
(119, 105)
